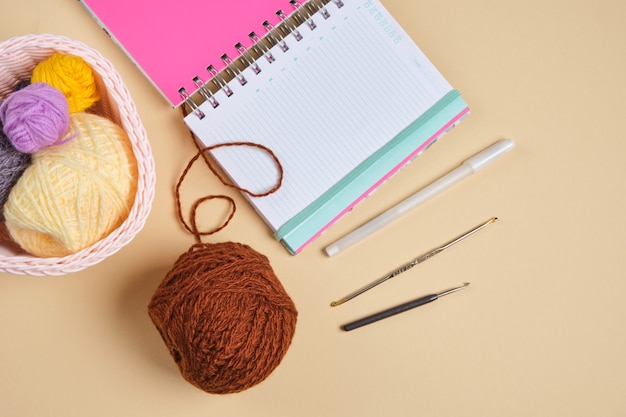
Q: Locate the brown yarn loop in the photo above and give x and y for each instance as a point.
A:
(193, 229)
(224, 316)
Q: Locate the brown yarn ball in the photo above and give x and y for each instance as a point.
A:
(224, 316)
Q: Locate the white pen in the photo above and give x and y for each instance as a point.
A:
(467, 168)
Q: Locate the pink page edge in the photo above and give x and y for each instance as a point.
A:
(391, 173)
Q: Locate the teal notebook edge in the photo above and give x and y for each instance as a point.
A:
(310, 223)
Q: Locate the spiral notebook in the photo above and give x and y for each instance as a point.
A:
(335, 88)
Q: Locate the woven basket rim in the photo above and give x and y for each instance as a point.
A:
(129, 120)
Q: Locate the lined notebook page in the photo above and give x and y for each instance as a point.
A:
(333, 99)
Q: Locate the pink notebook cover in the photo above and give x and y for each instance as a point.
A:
(172, 41)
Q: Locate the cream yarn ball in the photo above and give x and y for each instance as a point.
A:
(76, 193)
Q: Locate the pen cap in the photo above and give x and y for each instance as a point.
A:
(490, 154)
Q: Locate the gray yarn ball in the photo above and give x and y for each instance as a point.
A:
(13, 163)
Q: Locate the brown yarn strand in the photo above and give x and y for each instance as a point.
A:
(279, 166)
(193, 229)
(203, 152)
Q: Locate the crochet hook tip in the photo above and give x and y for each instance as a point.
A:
(453, 290)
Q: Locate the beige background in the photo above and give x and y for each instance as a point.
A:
(541, 330)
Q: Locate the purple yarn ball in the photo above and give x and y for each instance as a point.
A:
(13, 163)
(35, 117)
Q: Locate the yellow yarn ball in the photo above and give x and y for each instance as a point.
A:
(76, 193)
(72, 76)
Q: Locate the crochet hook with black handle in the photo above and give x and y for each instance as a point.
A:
(400, 308)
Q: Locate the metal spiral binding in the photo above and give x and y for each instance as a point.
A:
(321, 7)
(290, 26)
(205, 91)
(190, 102)
(232, 70)
(219, 80)
(309, 12)
(260, 48)
(247, 58)
(270, 33)
(304, 12)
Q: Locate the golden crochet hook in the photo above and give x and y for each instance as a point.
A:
(412, 263)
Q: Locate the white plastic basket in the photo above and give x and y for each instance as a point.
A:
(18, 57)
